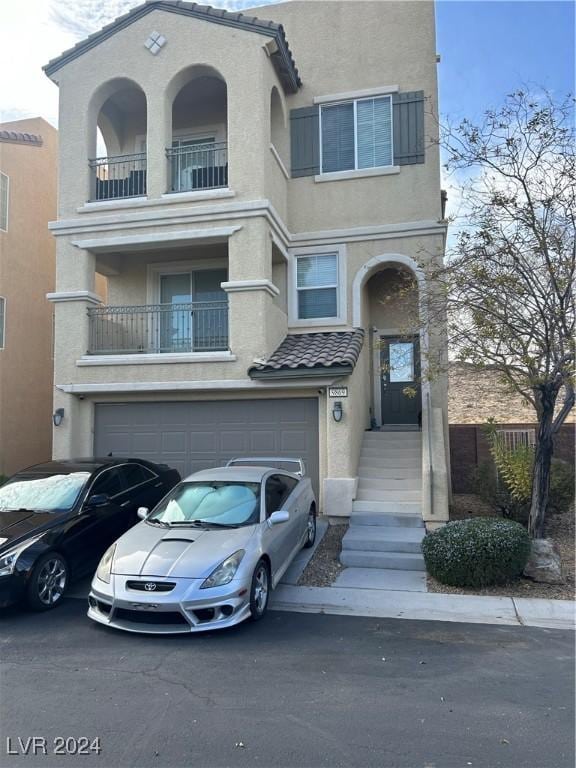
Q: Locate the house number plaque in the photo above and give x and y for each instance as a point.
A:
(337, 391)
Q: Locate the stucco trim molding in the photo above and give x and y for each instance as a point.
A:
(87, 361)
(236, 286)
(103, 244)
(220, 385)
(279, 160)
(147, 202)
(362, 94)
(62, 296)
(389, 170)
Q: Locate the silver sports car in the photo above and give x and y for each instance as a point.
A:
(209, 553)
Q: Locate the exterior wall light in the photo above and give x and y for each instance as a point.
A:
(57, 416)
(337, 411)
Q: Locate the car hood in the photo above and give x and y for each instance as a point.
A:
(190, 553)
(18, 524)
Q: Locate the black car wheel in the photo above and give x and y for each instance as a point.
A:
(260, 590)
(48, 582)
(311, 530)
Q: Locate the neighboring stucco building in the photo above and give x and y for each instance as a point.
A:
(264, 182)
(28, 170)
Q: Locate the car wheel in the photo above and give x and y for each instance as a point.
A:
(259, 591)
(311, 529)
(48, 582)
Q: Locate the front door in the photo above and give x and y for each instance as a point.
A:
(399, 377)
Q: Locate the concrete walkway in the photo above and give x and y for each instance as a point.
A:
(428, 606)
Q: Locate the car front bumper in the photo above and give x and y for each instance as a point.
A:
(12, 589)
(185, 608)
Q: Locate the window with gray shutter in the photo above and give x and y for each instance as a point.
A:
(304, 142)
(408, 110)
(357, 134)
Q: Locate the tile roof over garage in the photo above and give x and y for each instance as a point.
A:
(312, 354)
(282, 58)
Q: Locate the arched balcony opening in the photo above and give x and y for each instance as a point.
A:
(119, 169)
(198, 156)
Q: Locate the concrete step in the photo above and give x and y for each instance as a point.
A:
(387, 471)
(389, 483)
(382, 578)
(393, 494)
(392, 507)
(390, 450)
(395, 461)
(387, 520)
(383, 539)
(396, 561)
(397, 436)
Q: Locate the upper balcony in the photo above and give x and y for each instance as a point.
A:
(197, 155)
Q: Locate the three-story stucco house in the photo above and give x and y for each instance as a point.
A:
(266, 176)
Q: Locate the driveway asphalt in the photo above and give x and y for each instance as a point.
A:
(293, 690)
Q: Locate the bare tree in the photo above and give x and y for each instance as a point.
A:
(507, 285)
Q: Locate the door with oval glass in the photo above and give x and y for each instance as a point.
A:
(400, 380)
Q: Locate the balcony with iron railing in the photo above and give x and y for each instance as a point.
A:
(117, 177)
(200, 326)
(198, 166)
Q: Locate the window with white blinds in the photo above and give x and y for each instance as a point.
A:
(4, 182)
(356, 134)
(317, 286)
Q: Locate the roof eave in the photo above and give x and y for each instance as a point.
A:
(301, 373)
(282, 60)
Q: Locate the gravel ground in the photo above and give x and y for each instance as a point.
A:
(560, 528)
(325, 566)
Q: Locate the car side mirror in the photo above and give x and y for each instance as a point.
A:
(98, 500)
(143, 512)
(281, 516)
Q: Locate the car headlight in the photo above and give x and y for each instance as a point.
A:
(225, 572)
(104, 570)
(8, 559)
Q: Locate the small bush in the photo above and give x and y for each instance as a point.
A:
(477, 553)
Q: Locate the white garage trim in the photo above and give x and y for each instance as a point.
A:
(192, 386)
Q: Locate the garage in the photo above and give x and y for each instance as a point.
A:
(194, 435)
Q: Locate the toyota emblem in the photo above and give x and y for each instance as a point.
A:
(150, 586)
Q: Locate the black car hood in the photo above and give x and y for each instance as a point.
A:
(18, 524)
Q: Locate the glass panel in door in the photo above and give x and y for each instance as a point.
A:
(176, 323)
(210, 314)
(191, 163)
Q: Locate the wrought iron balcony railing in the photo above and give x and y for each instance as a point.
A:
(200, 326)
(117, 177)
(198, 166)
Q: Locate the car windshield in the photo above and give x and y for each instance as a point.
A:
(53, 493)
(210, 503)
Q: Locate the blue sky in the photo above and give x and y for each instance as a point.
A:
(488, 49)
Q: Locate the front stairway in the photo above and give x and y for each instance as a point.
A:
(382, 547)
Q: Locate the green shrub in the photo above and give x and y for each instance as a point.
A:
(477, 553)
(496, 493)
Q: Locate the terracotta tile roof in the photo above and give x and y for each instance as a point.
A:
(312, 354)
(282, 59)
(18, 137)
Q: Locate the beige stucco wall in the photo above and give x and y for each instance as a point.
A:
(397, 45)
(27, 266)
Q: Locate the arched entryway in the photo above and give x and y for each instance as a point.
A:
(387, 305)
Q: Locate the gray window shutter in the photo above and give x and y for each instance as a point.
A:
(408, 127)
(305, 141)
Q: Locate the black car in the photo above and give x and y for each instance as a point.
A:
(57, 519)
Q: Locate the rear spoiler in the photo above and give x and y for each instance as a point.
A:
(266, 460)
